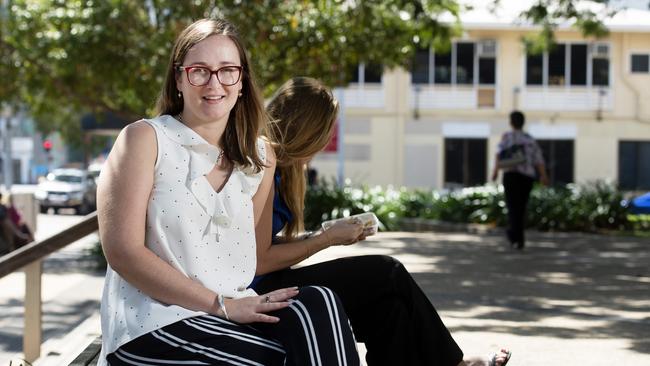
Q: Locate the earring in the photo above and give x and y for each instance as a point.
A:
(180, 95)
(240, 94)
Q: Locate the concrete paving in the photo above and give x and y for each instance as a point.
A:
(567, 299)
(71, 289)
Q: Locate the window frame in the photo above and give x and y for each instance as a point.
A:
(638, 164)
(361, 75)
(567, 67)
(454, 65)
(467, 160)
(554, 159)
(638, 53)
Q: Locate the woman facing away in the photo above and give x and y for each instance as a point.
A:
(387, 309)
(179, 200)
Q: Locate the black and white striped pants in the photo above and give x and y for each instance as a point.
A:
(313, 330)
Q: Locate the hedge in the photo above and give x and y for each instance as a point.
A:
(591, 207)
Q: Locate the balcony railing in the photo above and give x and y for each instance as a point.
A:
(364, 96)
(428, 97)
(565, 99)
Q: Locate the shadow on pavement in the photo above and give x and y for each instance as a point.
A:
(561, 285)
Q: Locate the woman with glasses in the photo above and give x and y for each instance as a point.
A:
(179, 199)
(387, 309)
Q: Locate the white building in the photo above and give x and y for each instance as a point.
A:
(438, 124)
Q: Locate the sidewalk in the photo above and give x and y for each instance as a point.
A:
(71, 288)
(568, 299)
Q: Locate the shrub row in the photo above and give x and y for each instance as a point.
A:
(590, 207)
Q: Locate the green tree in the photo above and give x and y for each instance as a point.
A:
(65, 58)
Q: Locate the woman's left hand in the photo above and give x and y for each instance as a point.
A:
(254, 309)
(345, 232)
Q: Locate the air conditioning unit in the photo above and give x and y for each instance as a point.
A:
(487, 48)
(600, 50)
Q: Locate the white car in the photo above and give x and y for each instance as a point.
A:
(67, 188)
(94, 170)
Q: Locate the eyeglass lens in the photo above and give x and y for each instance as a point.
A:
(199, 76)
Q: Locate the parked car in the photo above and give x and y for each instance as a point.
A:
(94, 170)
(67, 188)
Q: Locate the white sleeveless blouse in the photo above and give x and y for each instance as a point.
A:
(207, 236)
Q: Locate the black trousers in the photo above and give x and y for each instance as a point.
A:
(387, 309)
(517, 189)
(312, 331)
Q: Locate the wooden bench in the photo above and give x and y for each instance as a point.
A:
(90, 355)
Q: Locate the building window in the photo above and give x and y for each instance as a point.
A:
(557, 65)
(465, 63)
(633, 163)
(442, 67)
(558, 156)
(640, 63)
(487, 70)
(420, 67)
(458, 66)
(570, 64)
(366, 73)
(465, 162)
(534, 70)
(578, 61)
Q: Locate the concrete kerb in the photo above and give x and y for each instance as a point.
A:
(427, 225)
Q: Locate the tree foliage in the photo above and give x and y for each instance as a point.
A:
(65, 58)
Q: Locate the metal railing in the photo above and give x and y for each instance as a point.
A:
(30, 259)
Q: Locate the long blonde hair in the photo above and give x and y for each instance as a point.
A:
(302, 113)
(247, 118)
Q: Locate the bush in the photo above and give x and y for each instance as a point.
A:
(590, 207)
(640, 224)
(587, 207)
(327, 201)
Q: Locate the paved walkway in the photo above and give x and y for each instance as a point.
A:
(568, 299)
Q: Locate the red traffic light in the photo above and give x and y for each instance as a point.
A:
(47, 145)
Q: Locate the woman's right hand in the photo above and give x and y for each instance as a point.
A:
(253, 309)
(344, 232)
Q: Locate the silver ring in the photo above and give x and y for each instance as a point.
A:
(267, 299)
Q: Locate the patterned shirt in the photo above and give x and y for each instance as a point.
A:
(531, 148)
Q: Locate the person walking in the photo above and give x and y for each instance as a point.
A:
(179, 199)
(521, 159)
(388, 311)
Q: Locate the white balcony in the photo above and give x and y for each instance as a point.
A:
(364, 96)
(425, 97)
(565, 99)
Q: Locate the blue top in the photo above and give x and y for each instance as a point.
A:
(281, 216)
(281, 213)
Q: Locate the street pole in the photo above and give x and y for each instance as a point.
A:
(5, 117)
(7, 158)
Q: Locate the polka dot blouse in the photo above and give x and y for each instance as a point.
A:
(207, 236)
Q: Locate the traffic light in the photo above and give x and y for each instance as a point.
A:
(47, 145)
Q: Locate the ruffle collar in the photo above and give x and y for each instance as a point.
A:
(178, 132)
(220, 207)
